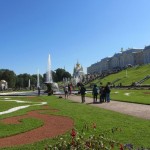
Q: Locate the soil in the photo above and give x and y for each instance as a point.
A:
(146, 92)
(53, 126)
(57, 125)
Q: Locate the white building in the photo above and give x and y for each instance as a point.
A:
(3, 85)
(146, 55)
(131, 56)
(78, 71)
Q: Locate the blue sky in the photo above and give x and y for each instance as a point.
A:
(69, 30)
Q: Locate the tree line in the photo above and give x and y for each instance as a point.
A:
(22, 80)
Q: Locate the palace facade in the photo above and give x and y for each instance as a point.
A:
(129, 57)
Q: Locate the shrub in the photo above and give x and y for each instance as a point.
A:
(79, 141)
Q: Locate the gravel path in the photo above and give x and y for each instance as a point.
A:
(138, 110)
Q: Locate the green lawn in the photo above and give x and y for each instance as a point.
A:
(133, 130)
(25, 124)
(132, 96)
(135, 96)
(126, 77)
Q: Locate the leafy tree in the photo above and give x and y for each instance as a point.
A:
(62, 73)
(9, 76)
(34, 80)
(66, 75)
(22, 80)
(59, 74)
(19, 82)
(54, 76)
(26, 78)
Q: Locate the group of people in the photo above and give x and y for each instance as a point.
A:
(67, 90)
(103, 91)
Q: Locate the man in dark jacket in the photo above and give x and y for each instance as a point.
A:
(95, 93)
(107, 91)
(82, 92)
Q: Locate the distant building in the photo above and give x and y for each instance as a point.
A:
(78, 71)
(146, 55)
(3, 85)
(121, 60)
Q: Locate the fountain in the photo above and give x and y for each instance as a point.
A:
(49, 72)
(29, 85)
(38, 79)
(51, 86)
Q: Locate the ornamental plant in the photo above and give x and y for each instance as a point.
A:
(79, 141)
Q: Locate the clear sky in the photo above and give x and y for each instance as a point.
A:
(69, 30)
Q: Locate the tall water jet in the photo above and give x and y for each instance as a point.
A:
(51, 86)
(49, 72)
(29, 85)
(38, 79)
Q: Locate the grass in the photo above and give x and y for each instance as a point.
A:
(25, 124)
(7, 105)
(127, 77)
(132, 96)
(134, 130)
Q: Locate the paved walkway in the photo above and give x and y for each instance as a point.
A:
(138, 110)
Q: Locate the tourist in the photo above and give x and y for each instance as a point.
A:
(69, 89)
(66, 91)
(95, 93)
(102, 94)
(82, 92)
(107, 91)
(39, 91)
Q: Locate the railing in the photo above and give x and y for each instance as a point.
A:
(142, 80)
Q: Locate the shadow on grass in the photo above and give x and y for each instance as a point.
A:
(74, 102)
(93, 103)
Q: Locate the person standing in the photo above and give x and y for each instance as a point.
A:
(69, 89)
(102, 94)
(95, 93)
(66, 91)
(107, 92)
(82, 92)
(39, 91)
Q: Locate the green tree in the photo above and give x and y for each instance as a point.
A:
(62, 73)
(19, 82)
(26, 78)
(34, 80)
(9, 76)
(66, 75)
(23, 80)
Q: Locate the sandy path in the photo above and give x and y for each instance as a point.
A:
(138, 110)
